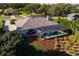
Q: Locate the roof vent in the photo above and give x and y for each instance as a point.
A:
(48, 17)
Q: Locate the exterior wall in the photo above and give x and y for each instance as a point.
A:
(8, 26)
(12, 27)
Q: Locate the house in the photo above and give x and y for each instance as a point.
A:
(41, 26)
(73, 16)
(48, 32)
(8, 11)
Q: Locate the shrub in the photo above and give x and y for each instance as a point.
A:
(12, 21)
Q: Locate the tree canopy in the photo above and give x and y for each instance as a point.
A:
(52, 9)
(8, 42)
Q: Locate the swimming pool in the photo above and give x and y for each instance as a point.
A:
(51, 34)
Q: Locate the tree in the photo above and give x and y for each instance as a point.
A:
(44, 9)
(8, 42)
(69, 24)
(31, 7)
(61, 9)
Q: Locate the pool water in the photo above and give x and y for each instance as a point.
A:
(51, 34)
(56, 33)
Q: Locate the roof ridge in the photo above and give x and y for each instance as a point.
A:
(27, 21)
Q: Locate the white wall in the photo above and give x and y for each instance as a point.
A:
(8, 26)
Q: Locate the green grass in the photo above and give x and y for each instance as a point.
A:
(1, 24)
(37, 46)
(56, 18)
(4, 17)
(29, 14)
(18, 16)
(8, 17)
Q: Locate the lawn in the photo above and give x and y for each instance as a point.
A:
(8, 17)
(1, 24)
(37, 46)
(18, 16)
(30, 14)
(56, 18)
(4, 17)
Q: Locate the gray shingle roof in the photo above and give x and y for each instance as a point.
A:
(36, 22)
(8, 10)
(51, 28)
(21, 22)
(42, 24)
(72, 14)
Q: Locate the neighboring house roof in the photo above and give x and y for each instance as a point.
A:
(72, 15)
(40, 23)
(8, 10)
